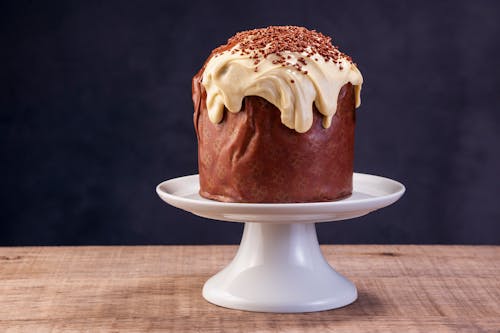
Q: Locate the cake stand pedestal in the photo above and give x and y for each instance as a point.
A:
(279, 266)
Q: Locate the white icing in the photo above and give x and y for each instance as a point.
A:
(230, 76)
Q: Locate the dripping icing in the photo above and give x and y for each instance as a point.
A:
(292, 86)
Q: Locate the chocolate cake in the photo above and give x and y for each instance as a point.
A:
(274, 118)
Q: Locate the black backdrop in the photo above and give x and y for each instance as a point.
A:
(96, 110)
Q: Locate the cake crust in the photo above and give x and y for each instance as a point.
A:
(250, 156)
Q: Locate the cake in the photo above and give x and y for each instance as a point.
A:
(274, 114)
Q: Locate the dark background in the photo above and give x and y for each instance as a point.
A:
(95, 111)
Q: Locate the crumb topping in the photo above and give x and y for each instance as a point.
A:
(277, 41)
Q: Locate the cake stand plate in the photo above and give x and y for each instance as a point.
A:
(279, 266)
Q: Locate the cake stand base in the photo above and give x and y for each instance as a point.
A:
(279, 268)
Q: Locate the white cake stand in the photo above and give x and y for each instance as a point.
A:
(279, 266)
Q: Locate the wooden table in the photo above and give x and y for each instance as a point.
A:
(158, 289)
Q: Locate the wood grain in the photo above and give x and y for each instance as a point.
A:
(158, 289)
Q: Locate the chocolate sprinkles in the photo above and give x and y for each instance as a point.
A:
(277, 41)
